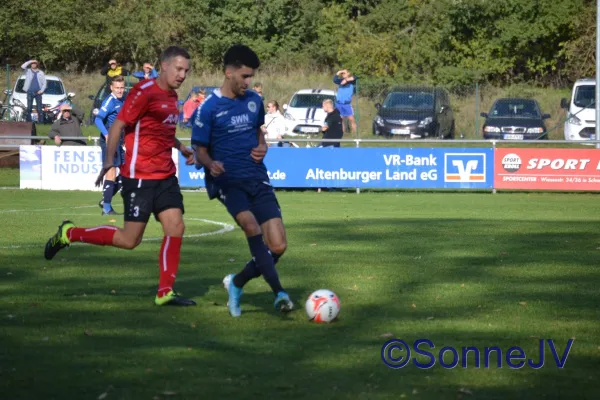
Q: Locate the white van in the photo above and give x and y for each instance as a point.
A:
(581, 111)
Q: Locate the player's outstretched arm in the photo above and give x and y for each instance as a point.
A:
(114, 135)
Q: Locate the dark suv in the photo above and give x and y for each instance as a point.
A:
(103, 92)
(415, 113)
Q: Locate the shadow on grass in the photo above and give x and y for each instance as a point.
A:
(472, 283)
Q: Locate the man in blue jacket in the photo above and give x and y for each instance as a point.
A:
(35, 86)
(346, 88)
(148, 72)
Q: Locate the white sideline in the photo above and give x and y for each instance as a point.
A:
(224, 228)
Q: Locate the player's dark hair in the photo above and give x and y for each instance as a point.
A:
(172, 52)
(240, 55)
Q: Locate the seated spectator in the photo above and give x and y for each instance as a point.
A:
(191, 104)
(68, 124)
(148, 72)
(274, 127)
(113, 69)
(333, 128)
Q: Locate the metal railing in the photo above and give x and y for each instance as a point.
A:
(491, 142)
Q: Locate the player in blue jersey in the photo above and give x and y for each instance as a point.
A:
(104, 119)
(230, 145)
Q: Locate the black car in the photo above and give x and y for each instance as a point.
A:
(105, 91)
(515, 119)
(415, 113)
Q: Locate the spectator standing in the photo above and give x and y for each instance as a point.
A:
(35, 86)
(113, 69)
(333, 128)
(191, 104)
(274, 126)
(148, 72)
(258, 88)
(346, 89)
(68, 124)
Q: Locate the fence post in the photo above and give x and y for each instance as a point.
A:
(357, 116)
(476, 109)
(357, 146)
(8, 98)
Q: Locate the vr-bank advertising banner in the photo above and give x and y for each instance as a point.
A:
(431, 168)
(547, 169)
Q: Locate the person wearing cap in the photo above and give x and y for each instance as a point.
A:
(35, 86)
(148, 72)
(68, 124)
(113, 69)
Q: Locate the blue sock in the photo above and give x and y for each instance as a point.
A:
(251, 271)
(264, 263)
(109, 187)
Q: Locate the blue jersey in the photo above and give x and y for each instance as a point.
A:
(108, 113)
(229, 129)
(345, 92)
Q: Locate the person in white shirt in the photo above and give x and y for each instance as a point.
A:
(274, 127)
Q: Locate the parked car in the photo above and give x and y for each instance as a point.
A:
(415, 113)
(55, 93)
(104, 91)
(581, 112)
(207, 89)
(515, 119)
(304, 113)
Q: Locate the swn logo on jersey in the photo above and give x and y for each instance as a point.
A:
(464, 167)
(240, 119)
(172, 119)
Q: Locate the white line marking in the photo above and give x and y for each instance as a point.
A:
(44, 209)
(224, 229)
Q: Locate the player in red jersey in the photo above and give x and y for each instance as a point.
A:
(149, 118)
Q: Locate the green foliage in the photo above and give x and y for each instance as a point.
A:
(450, 42)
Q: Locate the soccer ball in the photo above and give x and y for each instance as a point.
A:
(322, 306)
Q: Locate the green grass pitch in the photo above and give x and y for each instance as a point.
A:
(459, 269)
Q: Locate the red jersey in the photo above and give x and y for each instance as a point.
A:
(151, 115)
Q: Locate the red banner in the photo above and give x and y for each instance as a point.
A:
(547, 169)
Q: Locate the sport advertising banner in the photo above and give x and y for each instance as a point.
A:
(70, 167)
(329, 167)
(547, 169)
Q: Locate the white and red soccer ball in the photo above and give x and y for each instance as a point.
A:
(322, 306)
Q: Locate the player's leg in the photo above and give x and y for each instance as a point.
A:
(168, 208)
(138, 200)
(108, 187)
(275, 237)
(128, 237)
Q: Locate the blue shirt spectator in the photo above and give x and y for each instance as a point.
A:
(148, 72)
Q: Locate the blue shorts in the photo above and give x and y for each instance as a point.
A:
(255, 196)
(119, 155)
(345, 109)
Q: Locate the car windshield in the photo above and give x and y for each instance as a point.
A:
(310, 100)
(584, 96)
(52, 87)
(409, 101)
(515, 109)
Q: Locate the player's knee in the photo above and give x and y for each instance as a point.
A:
(250, 228)
(177, 228)
(130, 242)
(278, 247)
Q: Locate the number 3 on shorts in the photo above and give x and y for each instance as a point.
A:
(136, 211)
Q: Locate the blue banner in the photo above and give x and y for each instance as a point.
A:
(391, 168)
